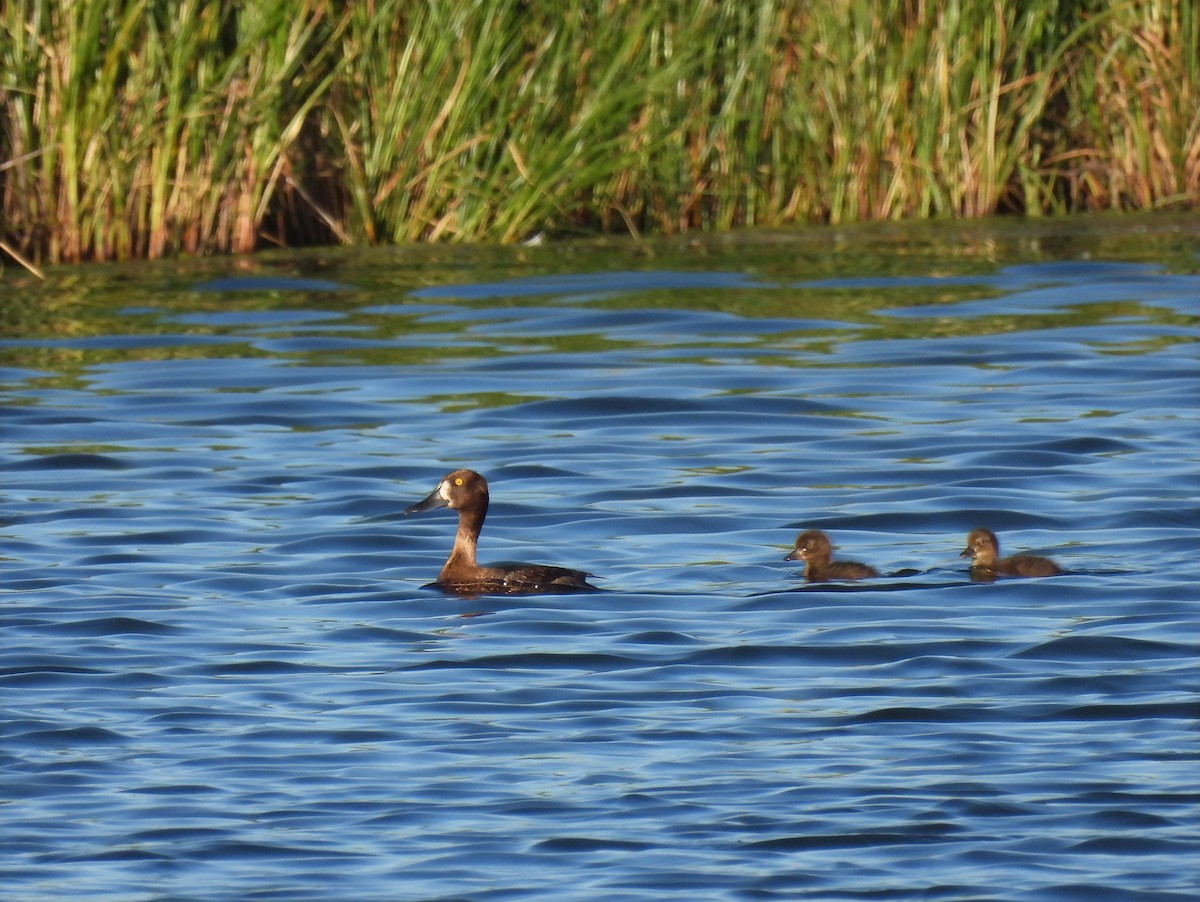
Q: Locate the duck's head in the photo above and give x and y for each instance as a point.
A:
(462, 489)
(811, 544)
(982, 547)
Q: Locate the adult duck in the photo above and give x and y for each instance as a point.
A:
(466, 491)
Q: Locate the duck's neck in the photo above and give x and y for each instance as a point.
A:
(462, 555)
(815, 565)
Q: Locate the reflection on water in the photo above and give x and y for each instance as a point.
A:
(222, 677)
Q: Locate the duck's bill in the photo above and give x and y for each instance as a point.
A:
(432, 502)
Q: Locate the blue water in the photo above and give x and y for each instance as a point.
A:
(223, 680)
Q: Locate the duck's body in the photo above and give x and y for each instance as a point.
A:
(986, 564)
(814, 548)
(467, 492)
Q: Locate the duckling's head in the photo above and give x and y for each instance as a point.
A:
(982, 548)
(812, 544)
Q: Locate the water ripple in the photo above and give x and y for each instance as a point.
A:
(223, 678)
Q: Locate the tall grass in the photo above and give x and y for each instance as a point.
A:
(137, 128)
(145, 128)
(1139, 97)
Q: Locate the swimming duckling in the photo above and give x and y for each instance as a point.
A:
(983, 548)
(813, 547)
(467, 492)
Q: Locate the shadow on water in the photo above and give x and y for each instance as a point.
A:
(223, 677)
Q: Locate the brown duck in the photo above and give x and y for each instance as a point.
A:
(814, 548)
(986, 564)
(467, 492)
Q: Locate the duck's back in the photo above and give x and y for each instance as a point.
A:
(840, 570)
(511, 578)
(1026, 565)
(518, 574)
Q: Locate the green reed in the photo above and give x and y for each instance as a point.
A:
(140, 128)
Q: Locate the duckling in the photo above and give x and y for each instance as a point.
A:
(984, 550)
(814, 548)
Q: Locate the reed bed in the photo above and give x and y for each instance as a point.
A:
(140, 128)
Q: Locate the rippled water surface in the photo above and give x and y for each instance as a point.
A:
(222, 678)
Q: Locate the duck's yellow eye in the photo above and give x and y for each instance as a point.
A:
(458, 480)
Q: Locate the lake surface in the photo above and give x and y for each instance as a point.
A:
(223, 680)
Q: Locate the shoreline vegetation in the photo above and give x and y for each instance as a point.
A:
(142, 129)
